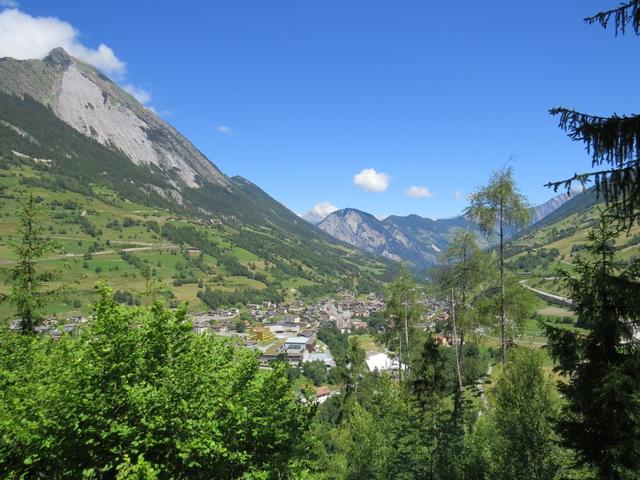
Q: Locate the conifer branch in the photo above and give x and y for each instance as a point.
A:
(625, 14)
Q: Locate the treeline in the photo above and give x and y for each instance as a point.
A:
(532, 260)
(215, 298)
(379, 429)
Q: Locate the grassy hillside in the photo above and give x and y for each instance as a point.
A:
(102, 236)
(553, 244)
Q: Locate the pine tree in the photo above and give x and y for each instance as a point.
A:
(612, 142)
(601, 415)
(495, 206)
(27, 295)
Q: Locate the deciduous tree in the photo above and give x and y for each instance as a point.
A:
(495, 206)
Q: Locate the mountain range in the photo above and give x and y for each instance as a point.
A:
(75, 138)
(413, 239)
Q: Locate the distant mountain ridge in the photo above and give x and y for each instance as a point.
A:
(366, 232)
(413, 239)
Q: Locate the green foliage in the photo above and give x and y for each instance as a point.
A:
(519, 305)
(601, 416)
(381, 436)
(613, 142)
(136, 383)
(495, 206)
(538, 259)
(219, 298)
(27, 280)
(403, 310)
(429, 378)
(316, 371)
(337, 342)
(499, 203)
(516, 439)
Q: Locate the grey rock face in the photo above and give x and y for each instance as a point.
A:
(84, 98)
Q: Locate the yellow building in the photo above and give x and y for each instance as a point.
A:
(261, 334)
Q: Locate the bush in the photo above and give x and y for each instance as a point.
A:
(182, 405)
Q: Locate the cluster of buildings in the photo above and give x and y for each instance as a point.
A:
(289, 331)
(52, 326)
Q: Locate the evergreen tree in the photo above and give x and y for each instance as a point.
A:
(427, 380)
(495, 206)
(404, 309)
(613, 142)
(27, 295)
(601, 416)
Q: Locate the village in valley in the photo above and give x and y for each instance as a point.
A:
(289, 332)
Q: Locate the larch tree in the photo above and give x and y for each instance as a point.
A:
(613, 142)
(463, 270)
(496, 206)
(27, 295)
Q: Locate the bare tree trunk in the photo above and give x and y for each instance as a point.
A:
(406, 331)
(455, 342)
(464, 304)
(400, 357)
(502, 307)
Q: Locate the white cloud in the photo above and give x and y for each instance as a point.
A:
(418, 192)
(140, 94)
(371, 181)
(224, 129)
(23, 36)
(9, 4)
(319, 212)
(459, 195)
(324, 208)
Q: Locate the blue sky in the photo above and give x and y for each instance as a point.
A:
(300, 96)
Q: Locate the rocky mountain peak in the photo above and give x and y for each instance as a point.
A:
(58, 57)
(95, 106)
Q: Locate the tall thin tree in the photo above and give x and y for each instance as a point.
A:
(496, 206)
(463, 269)
(27, 295)
(404, 307)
